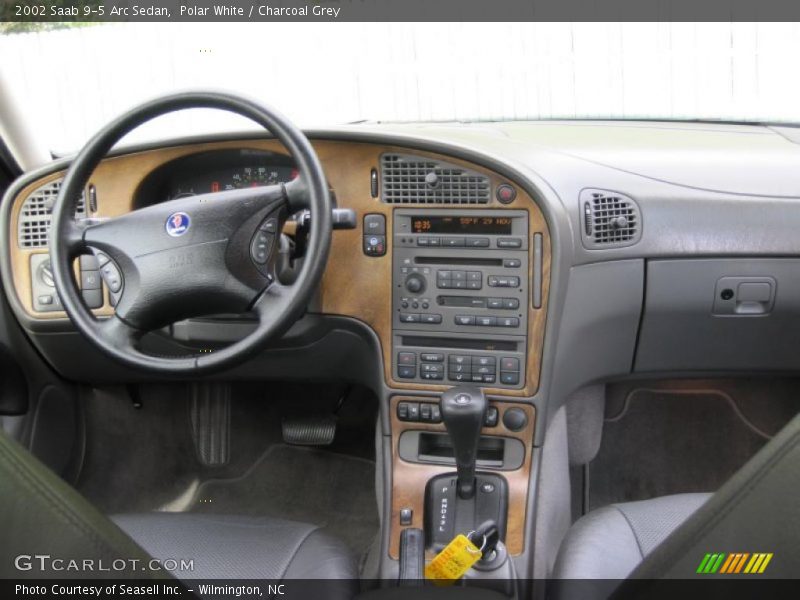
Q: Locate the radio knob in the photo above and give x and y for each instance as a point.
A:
(415, 283)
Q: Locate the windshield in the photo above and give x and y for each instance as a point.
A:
(69, 81)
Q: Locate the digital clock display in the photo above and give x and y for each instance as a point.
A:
(465, 225)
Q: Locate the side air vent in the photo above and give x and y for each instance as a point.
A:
(408, 179)
(610, 220)
(36, 214)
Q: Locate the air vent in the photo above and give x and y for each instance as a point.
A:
(36, 214)
(610, 220)
(410, 179)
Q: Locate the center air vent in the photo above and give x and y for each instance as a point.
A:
(36, 215)
(610, 220)
(408, 179)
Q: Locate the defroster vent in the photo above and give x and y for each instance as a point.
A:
(36, 215)
(610, 220)
(408, 179)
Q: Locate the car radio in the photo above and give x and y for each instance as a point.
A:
(460, 296)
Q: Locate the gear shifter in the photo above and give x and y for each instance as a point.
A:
(463, 410)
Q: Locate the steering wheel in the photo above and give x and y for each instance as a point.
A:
(193, 256)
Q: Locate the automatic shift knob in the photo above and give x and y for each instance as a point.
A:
(463, 410)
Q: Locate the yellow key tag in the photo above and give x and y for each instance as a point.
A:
(453, 561)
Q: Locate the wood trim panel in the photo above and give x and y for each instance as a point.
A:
(354, 284)
(409, 479)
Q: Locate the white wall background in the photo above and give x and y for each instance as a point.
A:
(70, 82)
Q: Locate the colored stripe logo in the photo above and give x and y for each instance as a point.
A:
(734, 563)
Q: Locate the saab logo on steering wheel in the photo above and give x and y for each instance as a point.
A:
(178, 224)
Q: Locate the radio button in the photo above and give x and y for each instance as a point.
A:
(486, 321)
(509, 242)
(474, 285)
(465, 320)
(512, 263)
(474, 276)
(409, 318)
(444, 284)
(423, 241)
(434, 241)
(507, 322)
(459, 275)
(459, 285)
(431, 319)
(510, 303)
(477, 242)
(496, 302)
(453, 242)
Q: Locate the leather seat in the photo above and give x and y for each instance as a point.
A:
(224, 546)
(39, 511)
(610, 542)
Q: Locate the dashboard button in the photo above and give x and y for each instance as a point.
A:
(465, 320)
(90, 280)
(406, 372)
(431, 368)
(509, 242)
(93, 298)
(89, 262)
(486, 321)
(495, 303)
(507, 322)
(459, 359)
(512, 263)
(406, 358)
(374, 245)
(483, 361)
(453, 242)
(431, 357)
(477, 242)
(434, 241)
(510, 303)
(375, 224)
(409, 318)
(508, 363)
(509, 378)
(505, 193)
(431, 319)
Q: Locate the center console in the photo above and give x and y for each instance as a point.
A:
(460, 296)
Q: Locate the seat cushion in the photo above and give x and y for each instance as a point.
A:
(610, 542)
(236, 547)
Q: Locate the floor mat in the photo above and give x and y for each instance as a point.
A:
(333, 490)
(684, 437)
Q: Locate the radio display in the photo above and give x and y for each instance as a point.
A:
(464, 225)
